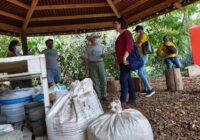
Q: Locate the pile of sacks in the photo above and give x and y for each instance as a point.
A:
(78, 115)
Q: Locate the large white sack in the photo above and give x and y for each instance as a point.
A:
(71, 114)
(128, 124)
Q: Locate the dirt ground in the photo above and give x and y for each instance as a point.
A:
(172, 115)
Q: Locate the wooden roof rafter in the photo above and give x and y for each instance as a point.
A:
(35, 30)
(72, 17)
(10, 28)
(111, 4)
(18, 3)
(138, 3)
(71, 6)
(29, 14)
(3, 13)
(151, 10)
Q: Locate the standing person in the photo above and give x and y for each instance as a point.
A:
(53, 70)
(169, 52)
(93, 58)
(14, 49)
(123, 47)
(141, 39)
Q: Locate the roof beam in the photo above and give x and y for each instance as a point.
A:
(3, 13)
(136, 4)
(151, 10)
(113, 8)
(63, 28)
(71, 6)
(10, 28)
(116, 1)
(178, 5)
(72, 17)
(18, 3)
(29, 14)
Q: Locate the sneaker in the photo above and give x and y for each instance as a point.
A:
(104, 98)
(144, 92)
(150, 92)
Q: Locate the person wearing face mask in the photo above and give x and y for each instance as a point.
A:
(53, 70)
(141, 39)
(94, 65)
(14, 49)
(123, 47)
(169, 52)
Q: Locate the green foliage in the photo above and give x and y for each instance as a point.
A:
(71, 47)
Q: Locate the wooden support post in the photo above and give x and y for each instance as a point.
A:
(174, 80)
(139, 86)
(24, 43)
(111, 85)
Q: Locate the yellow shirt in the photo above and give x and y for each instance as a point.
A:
(164, 52)
(140, 40)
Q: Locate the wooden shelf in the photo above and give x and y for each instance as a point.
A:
(26, 67)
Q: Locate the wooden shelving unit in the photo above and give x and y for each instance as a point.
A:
(26, 67)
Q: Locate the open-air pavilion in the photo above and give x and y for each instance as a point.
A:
(49, 17)
(26, 18)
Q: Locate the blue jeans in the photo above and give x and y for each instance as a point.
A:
(127, 85)
(173, 61)
(143, 75)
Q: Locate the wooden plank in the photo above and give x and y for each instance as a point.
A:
(113, 8)
(10, 28)
(14, 67)
(72, 17)
(135, 5)
(3, 13)
(69, 27)
(19, 76)
(151, 10)
(18, 3)
(29, 14)
(178, 79)
(71, 6)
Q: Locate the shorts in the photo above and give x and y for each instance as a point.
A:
(53, 75)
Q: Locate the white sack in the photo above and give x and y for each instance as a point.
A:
(128, 124)
(71, 114)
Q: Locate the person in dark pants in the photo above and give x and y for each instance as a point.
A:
(123, 47)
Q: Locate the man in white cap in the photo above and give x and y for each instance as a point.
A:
(94, 56)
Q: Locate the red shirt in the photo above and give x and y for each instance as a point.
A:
(123, 43)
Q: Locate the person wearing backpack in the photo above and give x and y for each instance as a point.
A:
(123, 48)
(143, 48)
(169, 52)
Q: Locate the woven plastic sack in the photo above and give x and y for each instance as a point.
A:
(72, 113)
(128, 124)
